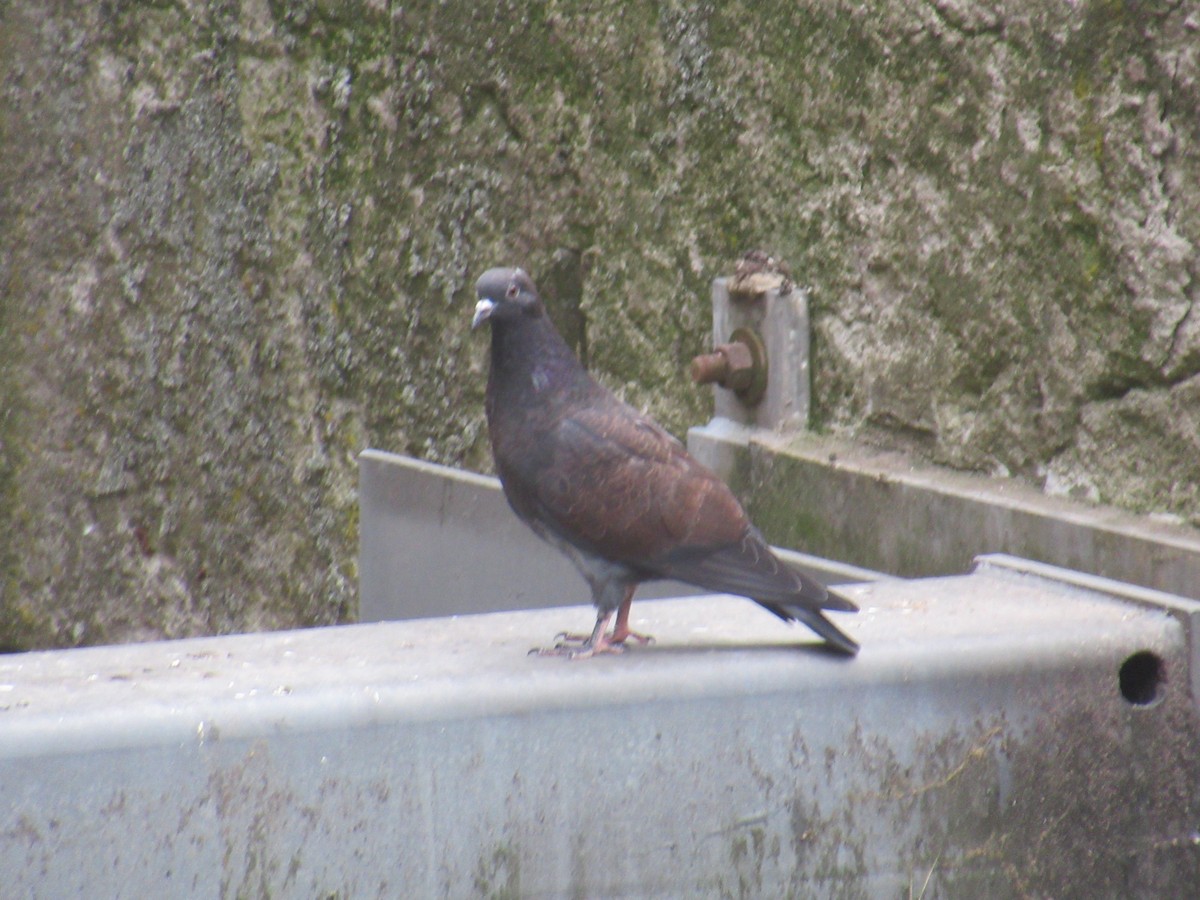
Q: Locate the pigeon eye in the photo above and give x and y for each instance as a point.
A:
(512, 292)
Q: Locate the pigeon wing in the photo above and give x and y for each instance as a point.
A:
(623, 488)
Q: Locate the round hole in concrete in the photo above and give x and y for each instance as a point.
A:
(1142, 677)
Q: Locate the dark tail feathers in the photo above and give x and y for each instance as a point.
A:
(835, 638)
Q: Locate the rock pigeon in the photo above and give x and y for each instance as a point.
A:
(608, 487)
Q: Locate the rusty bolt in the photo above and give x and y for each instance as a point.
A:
(739, 366)
(730, 365)
(710, 368)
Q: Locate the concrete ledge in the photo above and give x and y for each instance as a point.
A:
(878, 510)
(980, 743)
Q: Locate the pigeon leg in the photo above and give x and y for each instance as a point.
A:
(595, 644)
(620, 633)
(621, 630)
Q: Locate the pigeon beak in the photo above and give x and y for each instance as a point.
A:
(483, 311)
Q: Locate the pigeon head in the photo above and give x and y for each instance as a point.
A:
(505, 295)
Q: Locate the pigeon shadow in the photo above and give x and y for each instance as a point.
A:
(698, 648)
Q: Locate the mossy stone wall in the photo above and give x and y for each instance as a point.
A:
(237, 244)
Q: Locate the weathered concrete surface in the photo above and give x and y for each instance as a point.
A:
(983, 744)
(237, 242)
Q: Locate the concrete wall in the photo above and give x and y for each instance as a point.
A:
(237, 240)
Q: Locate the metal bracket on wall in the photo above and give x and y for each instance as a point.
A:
(770, 329)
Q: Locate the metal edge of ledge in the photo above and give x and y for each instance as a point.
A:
(486, 482)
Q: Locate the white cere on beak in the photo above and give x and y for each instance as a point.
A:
(483, 309)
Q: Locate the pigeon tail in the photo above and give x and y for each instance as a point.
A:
(834, 638)
(837, 602)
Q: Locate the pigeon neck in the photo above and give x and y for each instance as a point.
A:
(530, 348)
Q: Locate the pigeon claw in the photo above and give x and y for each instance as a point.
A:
(571, 637)
(584, 646)
(579, 650)
(578, 646)
(618, 637)
(642, 640)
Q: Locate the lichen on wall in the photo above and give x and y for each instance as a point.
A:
(238, 240)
